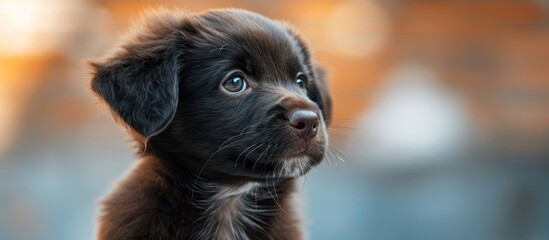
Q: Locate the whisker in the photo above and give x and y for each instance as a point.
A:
(245, 158)
(260, 156)
(270, 155)
(329, 157)
(236, 162)
(238, 135)
(275, 199)
(204, 166)
(336, 146)
(337, 153)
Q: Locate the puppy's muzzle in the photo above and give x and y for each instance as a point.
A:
(304, 122)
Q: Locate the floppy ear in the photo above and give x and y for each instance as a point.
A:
(318, 92)
(140, 81)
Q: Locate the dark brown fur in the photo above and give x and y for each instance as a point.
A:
(162, 84)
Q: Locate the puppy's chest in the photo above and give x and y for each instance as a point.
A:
(234, 213)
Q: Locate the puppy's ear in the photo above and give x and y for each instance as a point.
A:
(140, 81)
(318, 92)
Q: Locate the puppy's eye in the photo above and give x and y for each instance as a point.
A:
(301, 81)
(235, 84)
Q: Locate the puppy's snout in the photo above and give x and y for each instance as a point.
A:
(305, 123)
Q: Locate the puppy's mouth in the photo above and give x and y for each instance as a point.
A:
(277, 157)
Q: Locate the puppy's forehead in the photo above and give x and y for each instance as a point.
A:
(266, 43)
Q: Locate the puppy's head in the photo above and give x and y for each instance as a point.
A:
(229, 92)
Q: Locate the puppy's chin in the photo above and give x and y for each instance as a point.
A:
(296, 166)
(298, 160)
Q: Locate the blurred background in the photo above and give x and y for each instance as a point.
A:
(441, 116)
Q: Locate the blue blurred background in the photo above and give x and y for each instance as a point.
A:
(441, 116)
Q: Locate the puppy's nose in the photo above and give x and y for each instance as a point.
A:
(305, 122)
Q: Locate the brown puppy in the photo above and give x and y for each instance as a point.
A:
(227, 109)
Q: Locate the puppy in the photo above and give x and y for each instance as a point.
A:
(227, 109)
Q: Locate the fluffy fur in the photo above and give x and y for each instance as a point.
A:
(212, 165)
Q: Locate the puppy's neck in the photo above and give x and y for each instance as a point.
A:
(233, 209)
(239, 211)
